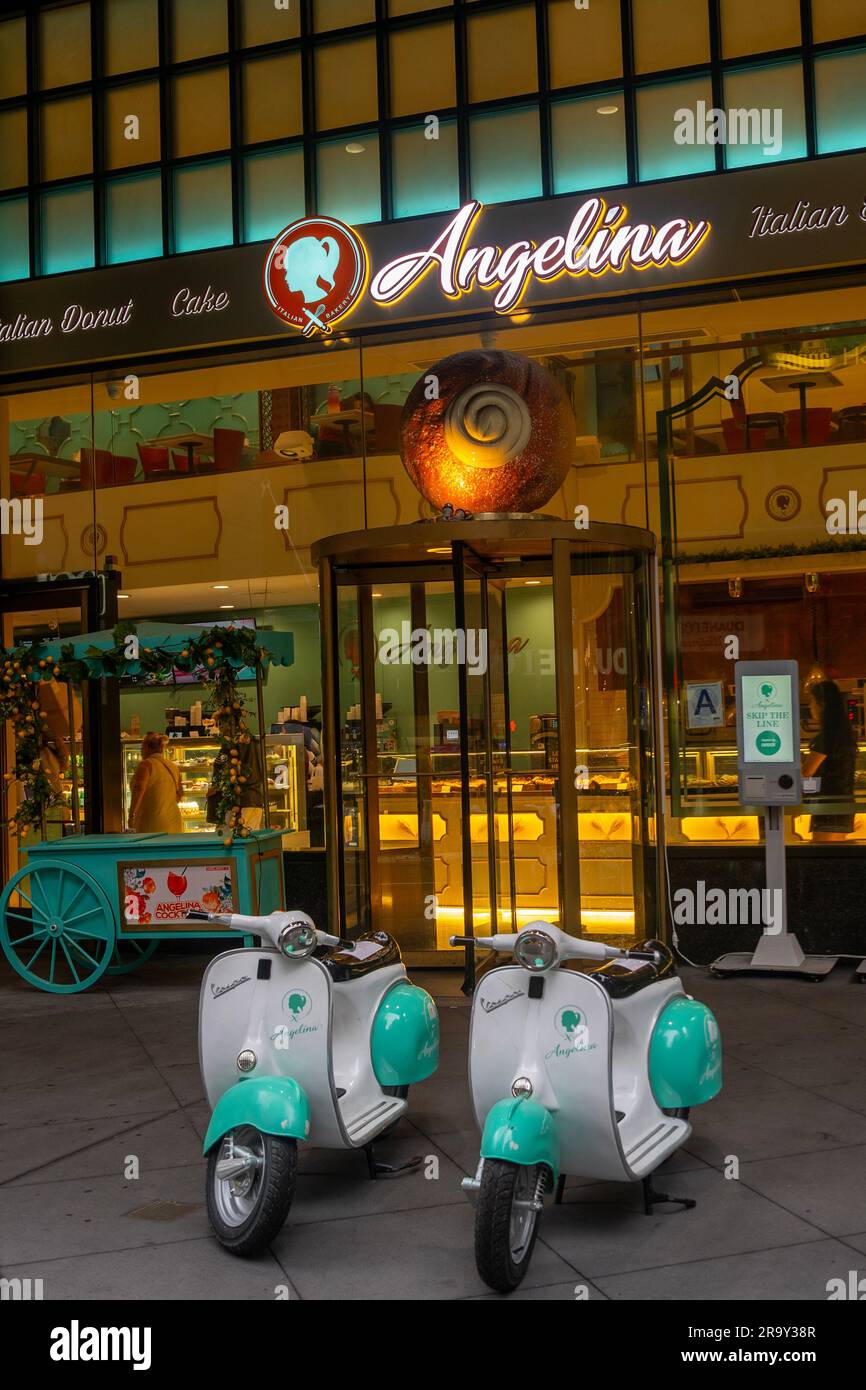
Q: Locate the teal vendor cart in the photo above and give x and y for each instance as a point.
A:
(92, 903)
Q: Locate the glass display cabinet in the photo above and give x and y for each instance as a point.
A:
(194, 757)
(489, 729)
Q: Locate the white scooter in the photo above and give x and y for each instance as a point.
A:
(591, 1074)
(306, 1037)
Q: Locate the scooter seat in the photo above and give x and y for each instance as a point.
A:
(374, 950)
(620, 980)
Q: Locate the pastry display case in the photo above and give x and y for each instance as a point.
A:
(194, 758)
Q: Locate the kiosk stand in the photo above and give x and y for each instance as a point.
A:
(769, 775)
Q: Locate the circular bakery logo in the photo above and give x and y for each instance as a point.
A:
(314, 273)
(297, 1003)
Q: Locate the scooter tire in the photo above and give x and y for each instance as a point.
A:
(272, 1204)
(494, 1255)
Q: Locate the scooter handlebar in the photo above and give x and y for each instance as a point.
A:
(269, 927)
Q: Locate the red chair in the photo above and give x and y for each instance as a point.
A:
(818, 422)
(735, 437)
(180, 461)
(228, 448)
(125, 469)
(154, 459)
(28, 484)
(98, 462)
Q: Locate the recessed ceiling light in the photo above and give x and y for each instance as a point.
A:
(607, 110)
(531, 582)
(354, 147)
(123, 595)
(375, 595)
(226, 605)
(438, 550)
(220, 586)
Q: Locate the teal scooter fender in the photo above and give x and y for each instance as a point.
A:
(521, 1131)
(273, 1104)
(404, 1043)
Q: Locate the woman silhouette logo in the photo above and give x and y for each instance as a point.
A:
(314, 273)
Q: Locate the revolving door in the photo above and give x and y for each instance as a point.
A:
(489, 730)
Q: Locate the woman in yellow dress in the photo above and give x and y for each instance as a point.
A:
(156, 789)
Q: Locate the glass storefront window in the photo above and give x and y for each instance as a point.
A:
(424, 171)
(125, 142)
(840, 113)
(585, 45)
(67, 229)
(64, 45)
(775, 93)
(66, 138)
(133, 218)
(340, 14)
(199, 28)
(13, 58)
(348, 178)
(131, 35)
(502, 54)
(747, 28)
(836, 19)
(589, 146)
(272, 102)
(514, 135)
(659, 155)
(346, 92)
(13, 148)
(200, 102)
(273, 191)
(668, 34)
(267, 24)
(14, 239)
(422, 69)
(202, 206)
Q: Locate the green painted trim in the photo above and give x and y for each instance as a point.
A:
(404, 1042)
(521, 1131)
(274, 1104)
(685, 1055)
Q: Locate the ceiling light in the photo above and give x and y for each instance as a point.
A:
(123, 595)
(354, 147)
(375, 595)
(226, 605)
(438, 550)
(219, 586)
(607, 110)
(531, 582)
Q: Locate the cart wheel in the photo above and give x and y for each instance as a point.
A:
(60, 936)
(506, 1222)
(129, 954)
(250, 1186)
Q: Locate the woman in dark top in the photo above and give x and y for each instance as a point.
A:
(832, 755)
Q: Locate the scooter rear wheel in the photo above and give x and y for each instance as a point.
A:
(247, 1209)
(506, 1223)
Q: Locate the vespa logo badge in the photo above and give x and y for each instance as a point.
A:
(297, 1003)
(218, 990)
(488, 1005)
(314, 273)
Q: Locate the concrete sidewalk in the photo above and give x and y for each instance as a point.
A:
(90, 1081)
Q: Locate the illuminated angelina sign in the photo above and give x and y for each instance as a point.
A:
(599, 241)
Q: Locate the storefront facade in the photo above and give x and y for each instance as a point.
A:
(181, 432)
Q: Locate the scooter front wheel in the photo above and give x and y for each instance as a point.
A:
(250, 1187)
(506, 1222)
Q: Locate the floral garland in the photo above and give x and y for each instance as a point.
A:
(21, 668)
(216, 654)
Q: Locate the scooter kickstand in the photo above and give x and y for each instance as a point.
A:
(378, 1169)
(651, 1198)
(560, 1190)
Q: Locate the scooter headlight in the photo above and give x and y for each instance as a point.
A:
(535, 950)
(296, 940)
